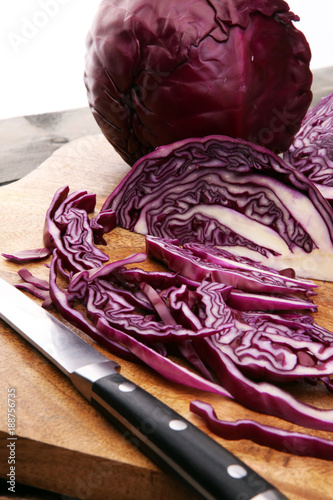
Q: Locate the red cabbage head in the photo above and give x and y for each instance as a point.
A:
(160, 71)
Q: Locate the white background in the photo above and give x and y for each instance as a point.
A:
(42, 50)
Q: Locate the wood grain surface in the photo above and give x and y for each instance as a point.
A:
(64, 445)
(27, 141)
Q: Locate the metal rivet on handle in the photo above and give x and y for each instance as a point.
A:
(177, 425)
(236, 471)
(127, 387)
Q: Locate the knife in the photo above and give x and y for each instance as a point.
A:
(166, 437)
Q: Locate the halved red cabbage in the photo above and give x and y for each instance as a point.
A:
(311, 151)
(231, 194)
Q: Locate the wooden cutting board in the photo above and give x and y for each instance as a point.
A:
(63, 444)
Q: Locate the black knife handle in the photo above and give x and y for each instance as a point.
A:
(177, 445)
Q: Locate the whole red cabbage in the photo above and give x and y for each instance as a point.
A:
(160, 71)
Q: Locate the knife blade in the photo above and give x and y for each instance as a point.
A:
(165, 436)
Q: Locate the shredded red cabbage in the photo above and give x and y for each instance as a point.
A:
(262, 396)
(67, 228)
(157, 317)
(269, 349)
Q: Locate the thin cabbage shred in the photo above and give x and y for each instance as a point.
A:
(279, 439)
